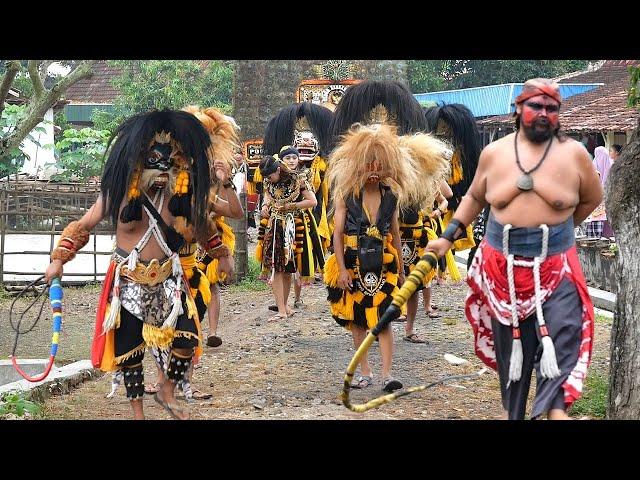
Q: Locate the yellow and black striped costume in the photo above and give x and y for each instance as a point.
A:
(415, 233)
(369, 298)
(316, 174)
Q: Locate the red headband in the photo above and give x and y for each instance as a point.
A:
(533, 88)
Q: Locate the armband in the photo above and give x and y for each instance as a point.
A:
(74, 237)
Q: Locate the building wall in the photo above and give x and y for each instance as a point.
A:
(39, 156)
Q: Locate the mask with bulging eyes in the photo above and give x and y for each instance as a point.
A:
(159, 157)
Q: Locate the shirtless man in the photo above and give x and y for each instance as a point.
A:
(539, 184)
(154, 188)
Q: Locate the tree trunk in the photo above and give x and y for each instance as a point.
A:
(262, 87)
(623, 211)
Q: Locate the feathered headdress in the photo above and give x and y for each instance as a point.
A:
(126, 151)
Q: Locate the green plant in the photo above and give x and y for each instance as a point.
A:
(593, 402)
(9, 120)
(16, 403)
(81, 153)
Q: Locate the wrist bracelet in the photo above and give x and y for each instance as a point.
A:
(450, 232)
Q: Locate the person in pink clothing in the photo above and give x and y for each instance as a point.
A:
(598, 225)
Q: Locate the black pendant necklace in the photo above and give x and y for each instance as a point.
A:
(525, 181)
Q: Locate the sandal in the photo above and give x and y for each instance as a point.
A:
(432, 314)
(199, 395)
(413, 338)
(363, 381)
(176, 412)
(390, 384)
(214, 341)
(151, 389)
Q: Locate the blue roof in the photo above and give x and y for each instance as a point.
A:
(494, 99)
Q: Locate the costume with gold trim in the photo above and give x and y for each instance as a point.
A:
(375, 139)
(303, 256)
(305, 126)
(415, 233)
(153, 156)
(372, 292)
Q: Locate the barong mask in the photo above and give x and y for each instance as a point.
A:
(161, 163)
(305, 126)
(376, 133)
(305, 142)
(158, 149)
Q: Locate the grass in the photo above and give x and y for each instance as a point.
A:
(593, 402)
(250, 283)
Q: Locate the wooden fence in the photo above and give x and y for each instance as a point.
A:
(32, 207)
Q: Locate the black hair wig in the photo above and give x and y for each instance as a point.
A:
(129, 143)
(466, 137)
(279, 131)
(360, 99)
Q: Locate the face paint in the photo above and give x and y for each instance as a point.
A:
(374, 168)
(540, 110)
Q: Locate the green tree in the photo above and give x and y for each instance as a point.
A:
(46, 92)
(147, 84)
(434, 75)
(80, 153)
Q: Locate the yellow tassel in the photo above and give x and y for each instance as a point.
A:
(212, 272)
(343, 309)
(387, 258)
(378, 298)
(129, 354)
(227, 235)
(452, 268)
(331, 272)
(259, 252)
(158, 337)
(257, 177)
(456, 168)
(108, 363)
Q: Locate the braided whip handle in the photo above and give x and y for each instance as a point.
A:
(55, 297)
(415, 279)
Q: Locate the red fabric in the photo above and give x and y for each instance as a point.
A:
(489, 297)
(539, 86)
(97, 346)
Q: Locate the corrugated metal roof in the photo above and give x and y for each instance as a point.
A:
(495, 99)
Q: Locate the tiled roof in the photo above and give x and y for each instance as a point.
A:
(602, 109)
(96, 89)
